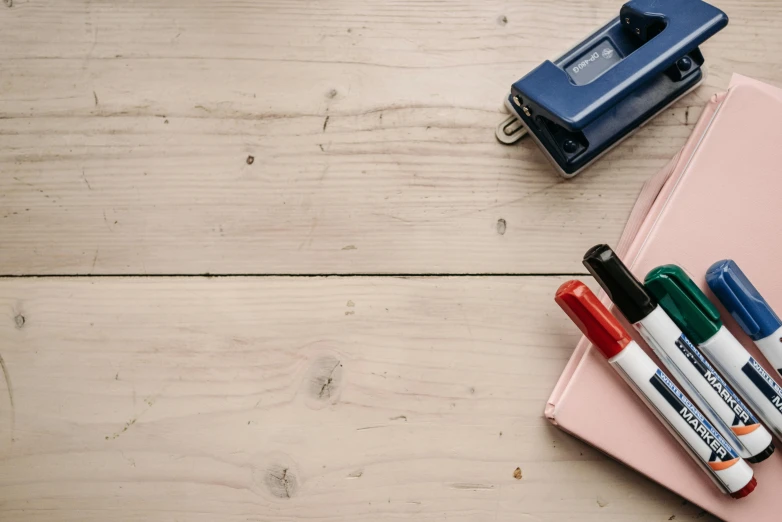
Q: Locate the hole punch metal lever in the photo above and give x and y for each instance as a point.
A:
(510, 130)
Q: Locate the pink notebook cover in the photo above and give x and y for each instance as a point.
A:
(718, 198)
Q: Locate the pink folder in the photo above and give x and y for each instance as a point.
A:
(718, 198)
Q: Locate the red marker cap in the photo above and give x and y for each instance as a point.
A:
(592, 318)
(746, 490)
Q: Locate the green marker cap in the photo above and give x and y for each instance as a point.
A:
(684, 302)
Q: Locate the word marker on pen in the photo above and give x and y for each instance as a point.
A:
(695, 375)
(742, 300)
(683, 420)
(699, 318)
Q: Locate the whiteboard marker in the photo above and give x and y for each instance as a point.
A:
(742, 300)
(695, 375)
(705, 445)
(698, 317)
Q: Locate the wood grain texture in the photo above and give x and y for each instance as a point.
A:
(303, 137)
(277, 399)
(127, 127)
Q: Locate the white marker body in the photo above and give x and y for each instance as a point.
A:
(747, 375)
(704, 444)
(771, 348)
(703, 384)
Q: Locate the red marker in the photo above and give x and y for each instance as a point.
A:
(704, 444)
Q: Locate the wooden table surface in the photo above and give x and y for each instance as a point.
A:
(265, 261)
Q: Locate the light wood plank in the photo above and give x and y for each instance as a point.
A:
(126, 128)
(384, 398)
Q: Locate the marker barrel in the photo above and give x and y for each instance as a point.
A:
(712, 452)
(704, 385)
(771, 347)
(757, 387)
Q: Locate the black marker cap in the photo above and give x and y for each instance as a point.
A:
(763, 455)
(627, 292)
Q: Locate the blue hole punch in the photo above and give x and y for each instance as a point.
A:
(582, 104)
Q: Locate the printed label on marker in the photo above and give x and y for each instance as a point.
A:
(741, 413)
(763, 382)
(720, 449)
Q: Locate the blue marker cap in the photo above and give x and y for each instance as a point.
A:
(742, 299)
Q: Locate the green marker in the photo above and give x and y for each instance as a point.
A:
(700, 321)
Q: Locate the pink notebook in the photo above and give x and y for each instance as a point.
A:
(718, 198)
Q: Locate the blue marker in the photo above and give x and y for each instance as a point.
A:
(740, 297)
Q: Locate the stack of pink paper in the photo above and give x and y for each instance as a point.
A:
(718, 198)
